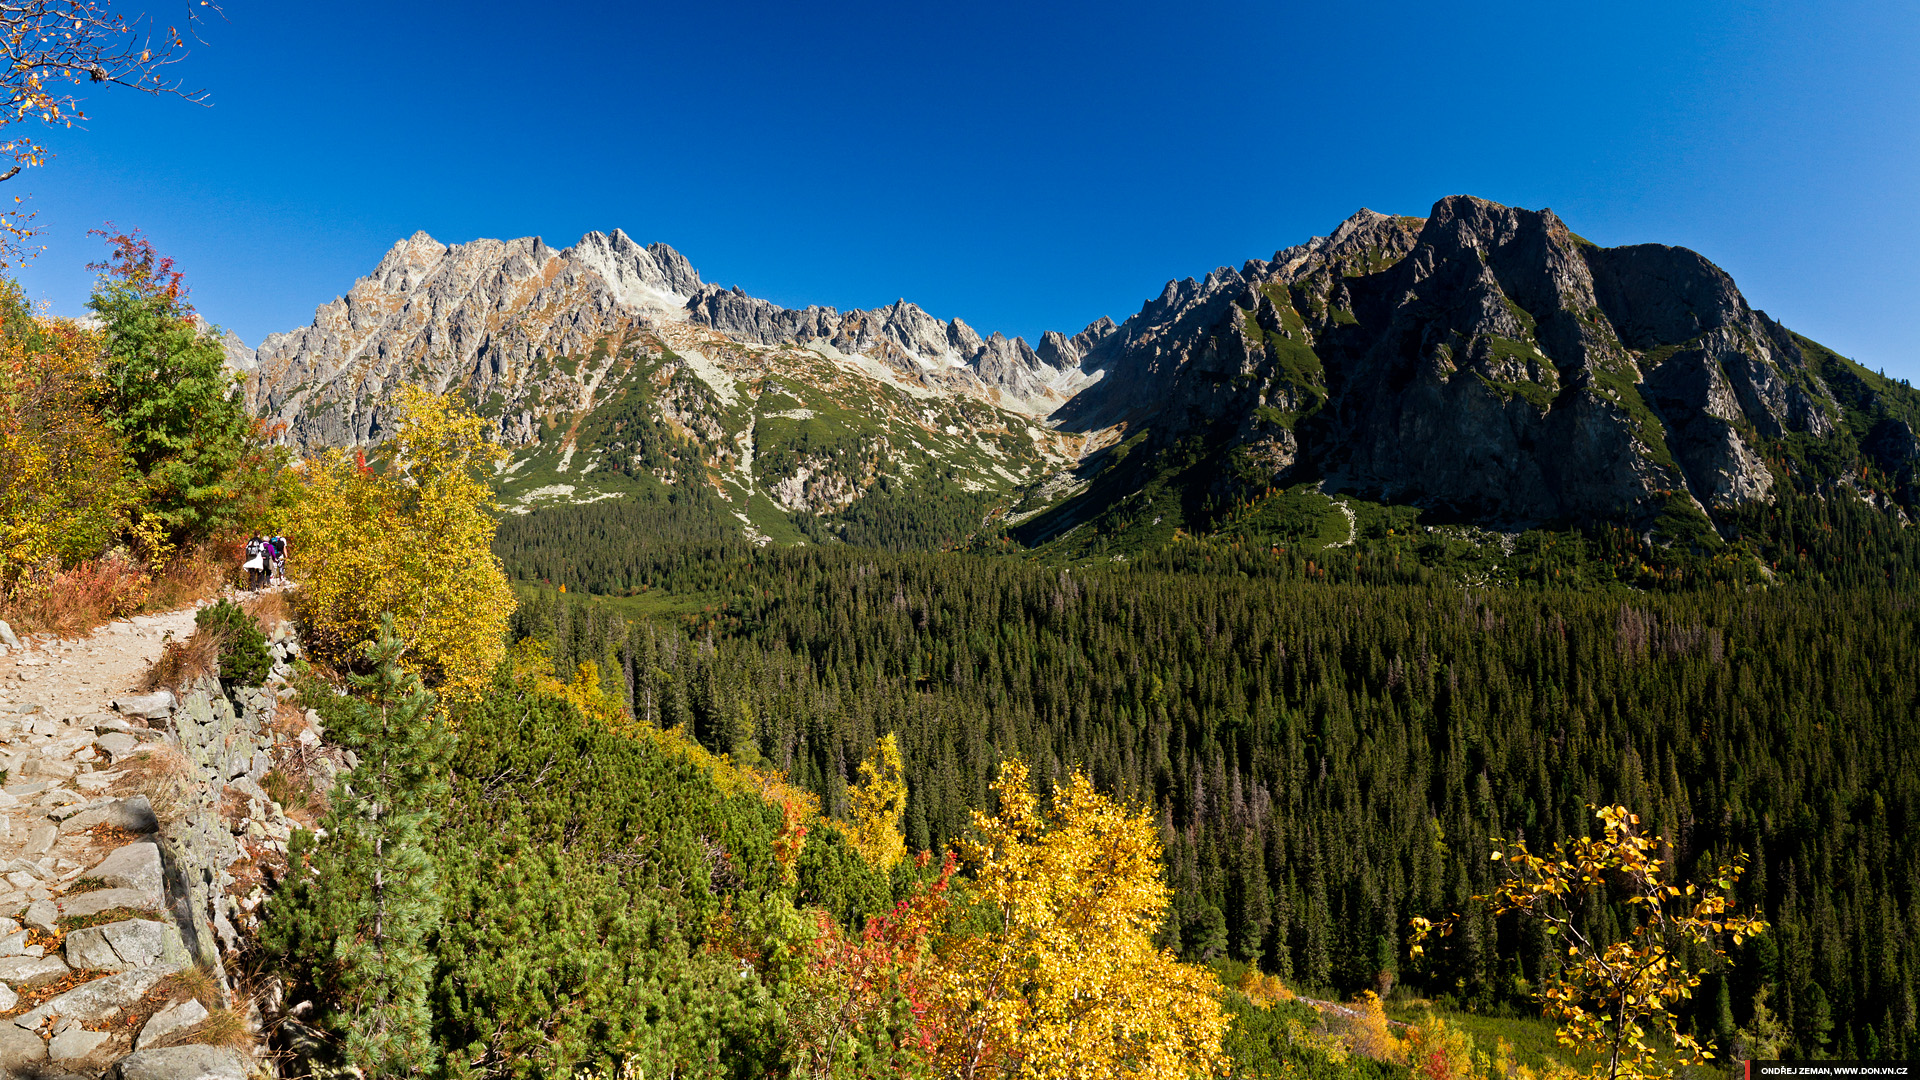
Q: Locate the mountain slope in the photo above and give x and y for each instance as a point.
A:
(1483, 363)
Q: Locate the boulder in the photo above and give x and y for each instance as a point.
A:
(117, 744)
(88, 949)
(43, 916)
(21, 972)
(8, 637)
(131, 866)
(155, 706)
(144, 941)
(134, 815)
(170, 1021)
(181, 1063)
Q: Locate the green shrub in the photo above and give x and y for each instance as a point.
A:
(243, 648)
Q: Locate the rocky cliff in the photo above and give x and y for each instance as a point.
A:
(1483, 361)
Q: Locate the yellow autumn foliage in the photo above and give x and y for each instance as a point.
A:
(533, 666)
(65, 494)
(1372, 1035)
(1618, 1000)
(408, 532)
(1067, 983)
(880, 806)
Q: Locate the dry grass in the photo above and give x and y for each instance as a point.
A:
(193, 576)
(269, 609)
(182, 662)
(73, 601)
(163, 774)
(195, 982)
(224, 1027)
(76, 600)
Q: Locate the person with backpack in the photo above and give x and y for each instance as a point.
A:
(256, 563)
(278, 545)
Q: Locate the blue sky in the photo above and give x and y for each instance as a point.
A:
(1022, 166)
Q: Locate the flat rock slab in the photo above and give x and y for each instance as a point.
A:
(21, 972)
(43, 916)
(129, 943)
(181, 1063)
(98, 999)
(42, 839)
(134, 815)
(20, 1051)
(75, 1043)
(134, 866)
(155, 706)
(99, 900)
(171, 1021)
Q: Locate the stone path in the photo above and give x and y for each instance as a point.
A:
(96, 973)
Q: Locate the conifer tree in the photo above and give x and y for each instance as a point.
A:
(169, 396)
(363, 921)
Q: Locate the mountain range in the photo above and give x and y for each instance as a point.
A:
(1483, 363)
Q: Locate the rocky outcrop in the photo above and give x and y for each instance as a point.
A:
(1483, 359)
(511, 322)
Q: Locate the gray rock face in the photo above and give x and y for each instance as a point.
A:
(486, 316)
(478, 316)
(134, 815)
(1482, 359)
(98, 999)
(181, 1063)
(170, 1021)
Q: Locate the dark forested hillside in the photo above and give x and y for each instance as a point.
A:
(1329, 759)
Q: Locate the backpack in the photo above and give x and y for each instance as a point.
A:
(279, 547)
(253, 548)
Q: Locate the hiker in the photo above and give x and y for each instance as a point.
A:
(256, 563)
(278, 544)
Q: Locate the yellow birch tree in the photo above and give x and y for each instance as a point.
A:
(1068, 984)
(408, 533)
(1610, 996)
(880, 806)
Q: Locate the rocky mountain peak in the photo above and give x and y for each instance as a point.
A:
(1481, 358)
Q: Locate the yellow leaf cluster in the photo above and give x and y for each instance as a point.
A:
(410, 534)
(1372, 1036)
(880, 806)
(1264, 991)
(1068, 983)
(64, 490)
(533, 668)
(1611, 997)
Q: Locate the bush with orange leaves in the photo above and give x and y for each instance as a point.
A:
(66, 495)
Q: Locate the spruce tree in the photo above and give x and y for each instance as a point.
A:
(364, 920)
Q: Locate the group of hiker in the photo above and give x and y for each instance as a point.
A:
(266, 560)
